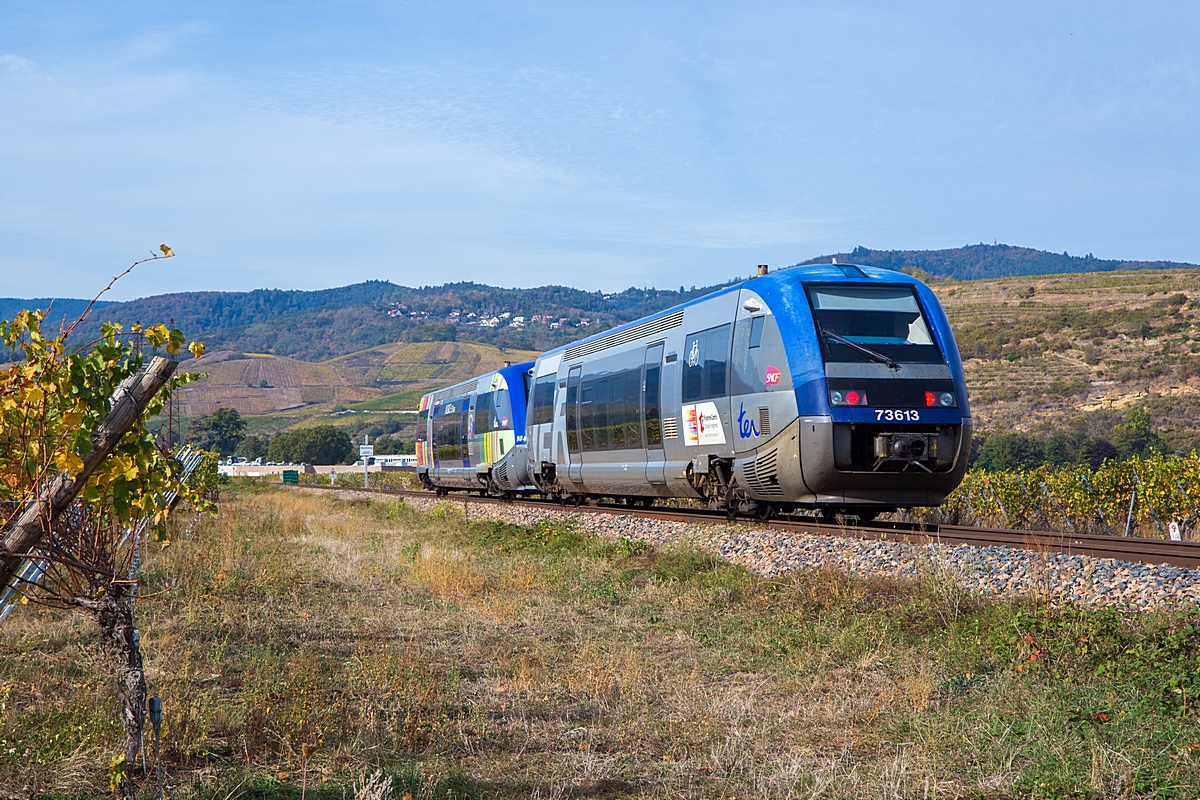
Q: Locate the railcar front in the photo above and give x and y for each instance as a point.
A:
(882, 417)
(471, 436)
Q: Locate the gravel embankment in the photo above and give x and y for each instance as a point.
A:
(990, 571)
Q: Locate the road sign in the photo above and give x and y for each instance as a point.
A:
(366, 450)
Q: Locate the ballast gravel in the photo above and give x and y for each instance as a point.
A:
(988, 571)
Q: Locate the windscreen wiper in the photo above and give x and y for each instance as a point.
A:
(866, 351)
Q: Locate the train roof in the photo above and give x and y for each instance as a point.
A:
(773, 284)
(511, 373)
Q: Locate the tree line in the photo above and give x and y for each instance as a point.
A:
(224, 432)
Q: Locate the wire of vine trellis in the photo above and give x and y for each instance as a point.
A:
(1188, 497)
(1025, 493)
(1149, 506)
(1129, 517)
(966, 496)
(1096, 502)
(1070, 527)
(987, 483)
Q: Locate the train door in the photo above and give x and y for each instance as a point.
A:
(749, 379)
(465, 427)
(652, 415)
(435, 437)
(760, 382)
(574, 454)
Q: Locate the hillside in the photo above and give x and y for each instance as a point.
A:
(1079, 351)
(316, 326)
(1045, 353)
(277, 392)
(979, 261)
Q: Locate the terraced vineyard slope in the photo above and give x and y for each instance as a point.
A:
(1042, 353)
(389, 377)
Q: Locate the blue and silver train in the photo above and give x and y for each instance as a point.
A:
(836, 388)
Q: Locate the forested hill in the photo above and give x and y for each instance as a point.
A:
(988, 261)
(318, 325)
(322, 324)
(63, 312)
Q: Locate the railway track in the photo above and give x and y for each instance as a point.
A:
(1135, 549)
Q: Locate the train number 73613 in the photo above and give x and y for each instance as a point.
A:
(897, 415)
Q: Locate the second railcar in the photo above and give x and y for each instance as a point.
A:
(472, 435)
(833, 387)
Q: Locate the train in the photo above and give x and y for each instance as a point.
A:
(833, 389)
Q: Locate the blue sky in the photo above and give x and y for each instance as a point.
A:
(306, 145)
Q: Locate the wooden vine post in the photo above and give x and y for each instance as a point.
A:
(128, 402)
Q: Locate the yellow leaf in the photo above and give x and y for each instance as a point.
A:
(196, 349)
(166, 251)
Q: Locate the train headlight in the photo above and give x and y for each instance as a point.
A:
(848, 397)
(943, 399)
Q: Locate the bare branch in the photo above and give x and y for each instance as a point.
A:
(115, 278)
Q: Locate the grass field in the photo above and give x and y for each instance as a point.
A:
(471, 659)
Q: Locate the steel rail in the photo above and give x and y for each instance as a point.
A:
(1132, 548)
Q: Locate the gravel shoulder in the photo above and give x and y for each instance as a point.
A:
(987, 571)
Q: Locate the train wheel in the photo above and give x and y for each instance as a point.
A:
(764, 511)
(440, 492)
(832, 516)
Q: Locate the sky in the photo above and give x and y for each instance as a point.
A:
(604, 145)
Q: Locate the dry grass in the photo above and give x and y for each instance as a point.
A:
(491, 661)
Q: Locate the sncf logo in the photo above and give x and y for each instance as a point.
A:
(773, 375)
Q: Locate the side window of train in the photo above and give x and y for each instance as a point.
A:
(610, 412)
(451, 427)
(422, 425)
(756, 329)
(543, 400)
(705, 364)
(759, 358)
(483, 412)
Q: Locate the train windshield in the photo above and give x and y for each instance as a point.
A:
(872, 323)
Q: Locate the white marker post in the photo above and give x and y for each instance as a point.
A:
(365, 451)
(1174, 530)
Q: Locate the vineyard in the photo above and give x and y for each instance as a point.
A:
(1134, 497)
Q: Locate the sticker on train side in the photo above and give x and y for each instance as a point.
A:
(897, 415)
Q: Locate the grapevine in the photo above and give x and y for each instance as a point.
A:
(1080, 499)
